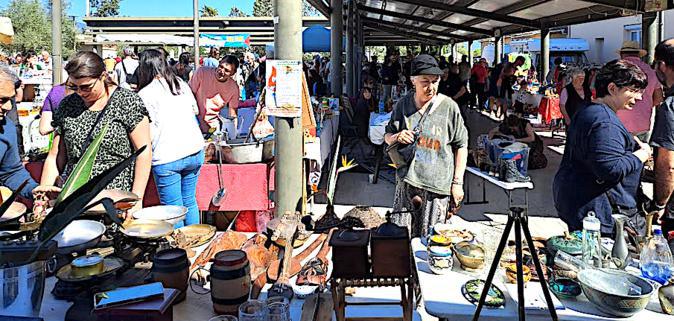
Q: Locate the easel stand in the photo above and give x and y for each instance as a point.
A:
(518, 216)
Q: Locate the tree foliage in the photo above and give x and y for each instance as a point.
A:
(263, 8)
(207, 11)
(105, 8)
(32, 27)
(309, 10)
(236, 12)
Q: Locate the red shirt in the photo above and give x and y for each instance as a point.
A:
(480, 73)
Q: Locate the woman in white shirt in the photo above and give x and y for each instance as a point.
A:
(177, 144)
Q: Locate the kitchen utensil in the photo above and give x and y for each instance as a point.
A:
(23, 289)
(666, 297)
(350, 253)
(87, 265)
(472, 289)
(220, 193)
(253, 310)
(564, 287)
(110, 265)
(195, 235)
(15, 211)
(171, 214)
(236, 151)
(390, 250)
(123, 201)
(147, 229)
(615, 292)
(440, 259)
(78, 236)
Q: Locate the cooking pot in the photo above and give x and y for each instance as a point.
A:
(235, 151)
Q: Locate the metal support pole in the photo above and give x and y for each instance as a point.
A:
(349, 49)
(545, 53)
(649, 27)
(454, 53)
(56, 42)
(288, 46)
(498, 50)
(336, 27)
(470, 53)
(196, 33)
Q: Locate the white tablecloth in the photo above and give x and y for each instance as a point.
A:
(200, 308)
(377, 129)
(443, 299)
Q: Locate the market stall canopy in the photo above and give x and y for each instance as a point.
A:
(6, 30)
(316, 39)
(228, 41)
(461, 20)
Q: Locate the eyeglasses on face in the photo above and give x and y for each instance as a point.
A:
(83, 88)
(4, 100)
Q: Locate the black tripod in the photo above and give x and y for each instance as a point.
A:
(518, 216)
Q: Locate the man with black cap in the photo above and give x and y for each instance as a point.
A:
(430, 182)
(662, 141)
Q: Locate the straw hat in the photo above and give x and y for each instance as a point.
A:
(632, 47)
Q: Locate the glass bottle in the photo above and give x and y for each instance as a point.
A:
(656, 259)
(591, 242)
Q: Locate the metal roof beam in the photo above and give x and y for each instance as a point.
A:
(401, 33)
(518, 6)
(427, 20)
(407, 27)
(321, 6)
(594, 13)
(472, 12)
(619, 4)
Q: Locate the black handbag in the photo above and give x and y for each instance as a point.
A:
(402, 154)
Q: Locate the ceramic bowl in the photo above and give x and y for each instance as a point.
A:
(470, 255)
(599, 286)
(571, 245)
(453, 234)
(511, 273)
(666, 296)
(564, 287)
(439, 240)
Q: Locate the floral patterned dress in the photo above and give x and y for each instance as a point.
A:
(73, 122)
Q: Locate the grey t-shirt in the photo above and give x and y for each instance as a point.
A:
(663, 135)
(442, 131)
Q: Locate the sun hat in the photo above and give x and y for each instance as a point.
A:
(632, 47)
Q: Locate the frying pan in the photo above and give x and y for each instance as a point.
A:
(78, 236)
(171, 214)
(14, 211)
(122, 199)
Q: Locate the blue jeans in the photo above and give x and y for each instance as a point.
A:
(177, 185)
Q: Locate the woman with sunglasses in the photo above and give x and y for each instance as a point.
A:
(79, 118)
(177, 144)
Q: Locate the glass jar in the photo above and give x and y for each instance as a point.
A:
(253, 310)
(278, 309)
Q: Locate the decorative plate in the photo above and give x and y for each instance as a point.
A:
(473, 289)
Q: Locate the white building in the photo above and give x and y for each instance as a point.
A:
(606, 36)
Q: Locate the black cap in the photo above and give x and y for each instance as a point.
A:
(425, 65)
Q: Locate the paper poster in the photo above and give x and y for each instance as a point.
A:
(284, 88)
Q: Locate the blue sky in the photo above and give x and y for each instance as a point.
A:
(159, 8)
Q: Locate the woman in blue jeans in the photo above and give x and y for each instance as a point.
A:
(177, 144)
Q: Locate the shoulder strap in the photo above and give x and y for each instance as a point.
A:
(100, 116)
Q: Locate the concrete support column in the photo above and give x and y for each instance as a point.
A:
(288, 46)
(454, 53)
(336, 27)
(545, 53)
(56, 42)
(650, 34)
(349, 49)
(498, 50)
(195, 25)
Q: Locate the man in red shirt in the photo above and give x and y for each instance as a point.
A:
(478, 82)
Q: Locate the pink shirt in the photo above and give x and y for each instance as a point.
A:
(638, 120)
(213, 95)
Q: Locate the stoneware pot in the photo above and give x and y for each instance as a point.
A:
(666, 296)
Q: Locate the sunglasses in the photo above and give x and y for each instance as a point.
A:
(83, 88)
(4, 100)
